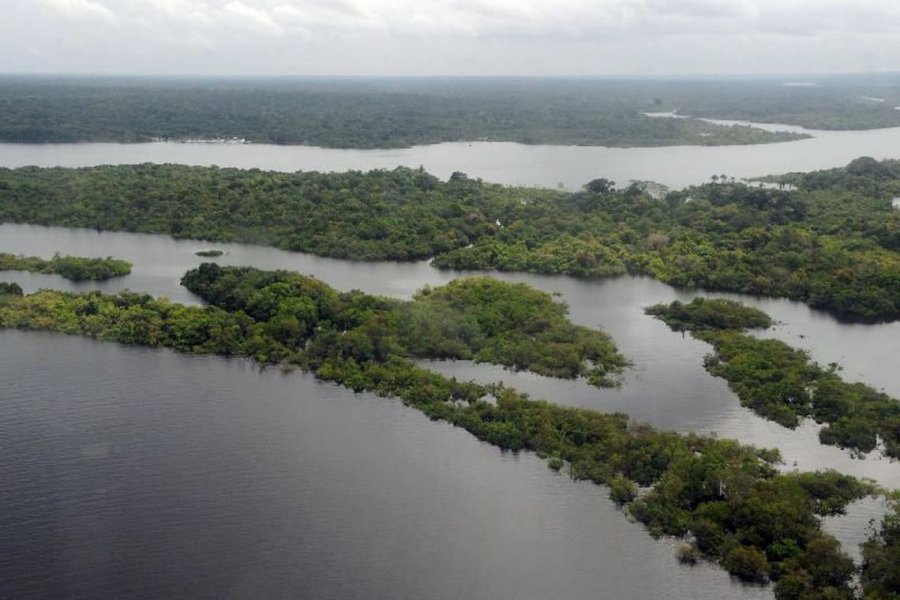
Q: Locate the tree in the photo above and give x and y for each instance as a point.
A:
(10, 289)
(600, 186)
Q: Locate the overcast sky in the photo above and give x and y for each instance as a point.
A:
(449, 37)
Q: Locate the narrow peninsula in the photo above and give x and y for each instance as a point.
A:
(781, 383)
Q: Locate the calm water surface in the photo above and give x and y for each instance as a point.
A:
(500, 162)
(132, 472)
(136, 472)
(667, 387)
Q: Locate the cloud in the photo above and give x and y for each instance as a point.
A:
(705, 9)
(585, 19)
(81, 9)
(252, 18)
(579, 19)
(184, 11)
(459, 36)
(306, 19)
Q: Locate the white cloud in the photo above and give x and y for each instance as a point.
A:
(81, 9)
(458, 36)
(185, 11)
(252, 18)
(491, 18)
(336, 16)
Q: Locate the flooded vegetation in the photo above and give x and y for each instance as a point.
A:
(739, 510)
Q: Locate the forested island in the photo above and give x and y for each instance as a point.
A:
(781, 383)
(728, 501)
(74, 268)
(831, 243)
(382, 113)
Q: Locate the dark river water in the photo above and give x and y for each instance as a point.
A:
(137, 472)
(131, 472)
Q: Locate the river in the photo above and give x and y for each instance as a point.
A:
(145, 473)
(499, 162)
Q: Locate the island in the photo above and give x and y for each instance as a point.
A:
(781, 383)
(74, 268)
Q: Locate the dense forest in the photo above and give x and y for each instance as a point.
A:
(781, 383)
(74, 268)
(824, 102)
(368, 113)
(833, 245)
(727, 501)
(881, 558)
(402, 214)
(864, 177)
(834, 249)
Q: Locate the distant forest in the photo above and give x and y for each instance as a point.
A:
(394, 113)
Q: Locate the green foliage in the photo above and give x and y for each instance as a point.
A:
(555, 463)
(833, 249)
(759, 523)
(837, 102)
(10, 289)
(622, 490)
(402, 214)
(509, 324)
(747, 563)
(74, 268)
(780, 383)
(475, 318)
(354, 114)
(881, 560)
(211, 253)
(706, 313)
(688, 554)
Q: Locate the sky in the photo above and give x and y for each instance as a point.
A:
(449, 37)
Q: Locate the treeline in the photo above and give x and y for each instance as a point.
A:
(864, 177)
(728, 500)
(881, 558)
(10, 289)
(352, 113)
(827, 102)
(833, 249)
(404, 214)
(781, 383)
(74, 268)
